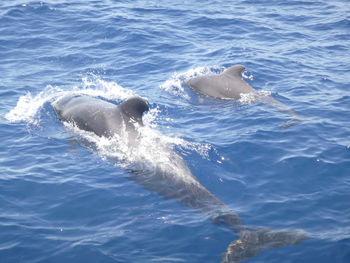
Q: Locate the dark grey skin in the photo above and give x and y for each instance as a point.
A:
(101, 117)
(227, 85)
(106, 119)
(230, 85)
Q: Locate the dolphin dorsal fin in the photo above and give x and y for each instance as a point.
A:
(134, 108)
(235, 71)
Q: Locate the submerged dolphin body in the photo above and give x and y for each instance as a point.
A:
(173, 180)
(230, 85)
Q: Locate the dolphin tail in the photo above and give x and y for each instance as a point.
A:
(295, 119)
(252, 242)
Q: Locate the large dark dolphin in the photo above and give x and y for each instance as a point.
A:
(230, 85)
(101, 117)
(173, 180)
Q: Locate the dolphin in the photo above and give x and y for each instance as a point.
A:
(171, 179)
(101, 117)
(229, 85)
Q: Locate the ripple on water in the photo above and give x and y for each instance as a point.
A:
(61, 201)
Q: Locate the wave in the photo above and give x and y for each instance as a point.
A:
(28, 105)
(153, 147)
(175, 85)
(154, 152)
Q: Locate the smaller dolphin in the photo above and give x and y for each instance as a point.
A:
(230, 85)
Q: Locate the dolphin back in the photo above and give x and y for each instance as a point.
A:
(99, 116)
(228, 85)
(134, 108)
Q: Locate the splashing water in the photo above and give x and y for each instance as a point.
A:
(153, 151)
(253, 97)
(28, 105)
(174, 85)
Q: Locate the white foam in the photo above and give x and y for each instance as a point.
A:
(153, 150)
(253, 97)
(106, 89)
(247, 76)
(28, 105)
(175, 86)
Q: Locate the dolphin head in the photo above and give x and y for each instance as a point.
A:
(134, 108)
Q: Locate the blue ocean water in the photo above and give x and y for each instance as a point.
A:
(61, 201)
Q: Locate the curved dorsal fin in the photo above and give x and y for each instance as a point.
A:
(235, 71)
(134, 108)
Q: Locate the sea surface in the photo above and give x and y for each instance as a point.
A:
(62, 200)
